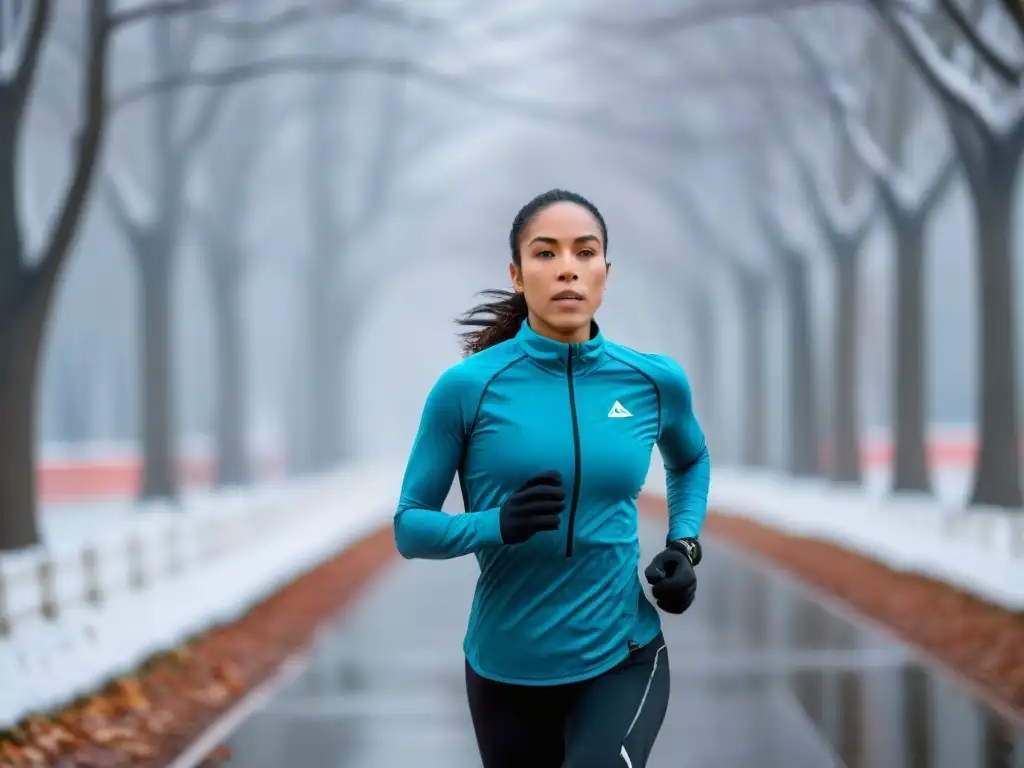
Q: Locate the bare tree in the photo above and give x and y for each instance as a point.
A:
(27, 287)
(803, 458)
(845, 225)
(220, 219)
(987, 126)
(174, 144)
(908, 206)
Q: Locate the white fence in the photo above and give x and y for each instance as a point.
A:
(74, 616)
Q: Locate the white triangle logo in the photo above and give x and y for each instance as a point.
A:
(618, 412)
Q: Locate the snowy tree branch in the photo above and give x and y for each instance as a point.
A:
(952, 85)
(117, 203)
(1015, 10)
(935, 188)
(1006, 69)
(888, 179)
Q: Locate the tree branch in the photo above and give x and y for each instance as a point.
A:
(116, 202)
(1007, 70)
(1015, 10)
(595, 120)
(712, 11)
(954, 87)
(157, 8)
(888, 179)
(933, 190)
(390, 13)
(205, 119)
(90, 141)
(24, 76)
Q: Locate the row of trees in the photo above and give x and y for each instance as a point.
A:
(980, 101)
(193, 113)
(919, 68)
(200, 126)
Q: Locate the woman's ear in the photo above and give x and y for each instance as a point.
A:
(517, 277)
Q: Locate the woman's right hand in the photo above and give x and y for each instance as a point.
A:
(535, 506)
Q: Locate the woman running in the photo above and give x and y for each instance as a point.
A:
(550, 427)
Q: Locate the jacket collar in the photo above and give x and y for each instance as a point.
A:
(555, 355)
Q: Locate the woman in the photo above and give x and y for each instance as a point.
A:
(550, 428)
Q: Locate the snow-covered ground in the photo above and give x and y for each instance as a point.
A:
(233, 549)
(978, 550)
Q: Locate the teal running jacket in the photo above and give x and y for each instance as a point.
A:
(565, 605)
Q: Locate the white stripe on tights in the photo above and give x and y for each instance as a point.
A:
(639, 709)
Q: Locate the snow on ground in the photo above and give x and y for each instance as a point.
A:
(237, 550)
(979, 550)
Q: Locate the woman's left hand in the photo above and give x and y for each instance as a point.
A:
(674, 584)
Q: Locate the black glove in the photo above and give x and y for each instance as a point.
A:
(674, 584)
(534, 506)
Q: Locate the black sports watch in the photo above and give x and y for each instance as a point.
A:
(689, 547)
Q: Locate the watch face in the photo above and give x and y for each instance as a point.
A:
(691, 548)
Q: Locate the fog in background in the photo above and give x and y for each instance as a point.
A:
(458, 170)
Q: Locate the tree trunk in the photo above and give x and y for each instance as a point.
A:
(753, 441)
(803, 415)
(345, 326)
(997, 472)
(322, 399)
(705, 396)
(159, 476)
(232, 445)
(846, 432)
(910, 470)
(21, 337)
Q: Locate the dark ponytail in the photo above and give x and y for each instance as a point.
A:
(496, 321)
(499, 320)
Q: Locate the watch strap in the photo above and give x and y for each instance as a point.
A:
(689, 547)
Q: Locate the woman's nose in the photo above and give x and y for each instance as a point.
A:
(567, 269)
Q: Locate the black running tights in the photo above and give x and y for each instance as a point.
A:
(609, 721)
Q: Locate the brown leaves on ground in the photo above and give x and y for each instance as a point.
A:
(147, 718)
(982, 642)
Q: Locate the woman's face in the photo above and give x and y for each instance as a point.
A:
(563, 271)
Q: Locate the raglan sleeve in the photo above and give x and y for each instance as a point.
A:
(422, 529)
(684, 452)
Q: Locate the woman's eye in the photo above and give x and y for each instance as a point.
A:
(586, 252)
(545, 254)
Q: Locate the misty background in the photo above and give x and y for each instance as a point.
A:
(403, 191)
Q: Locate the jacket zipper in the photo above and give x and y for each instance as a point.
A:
(576, 448)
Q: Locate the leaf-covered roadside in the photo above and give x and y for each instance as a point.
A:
(145, 719)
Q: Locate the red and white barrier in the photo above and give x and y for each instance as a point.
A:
(105, 472)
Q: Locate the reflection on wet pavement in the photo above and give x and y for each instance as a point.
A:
(760, 676)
